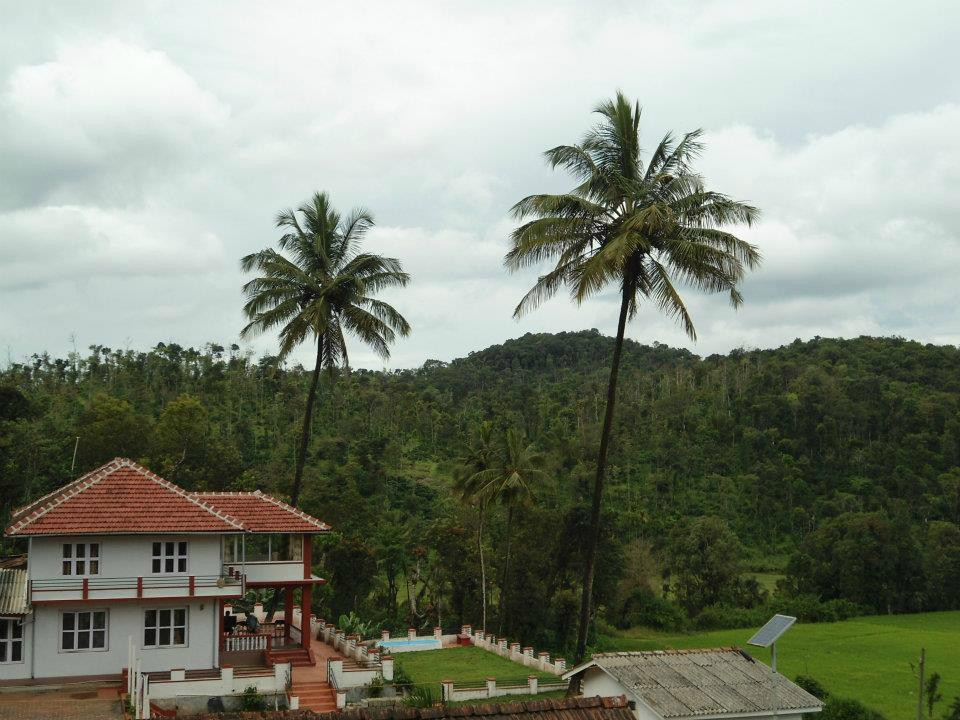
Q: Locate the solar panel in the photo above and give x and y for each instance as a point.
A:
(771, 632)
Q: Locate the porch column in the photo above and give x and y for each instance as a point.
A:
(288, 612)
(307, 556)
(221, 625)
(306, 631)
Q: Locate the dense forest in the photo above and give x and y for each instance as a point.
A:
(830, 465)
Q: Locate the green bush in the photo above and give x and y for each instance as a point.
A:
(401, 679)
(643, 607)
(422, 696)
(252, 699)
(376, 686)
(844, 709)
(812, 686)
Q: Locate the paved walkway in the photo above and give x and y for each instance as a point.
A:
(78, 703)
(316, 673)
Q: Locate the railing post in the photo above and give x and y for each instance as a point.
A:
(86, 588)
(140, 587)
(192, 585)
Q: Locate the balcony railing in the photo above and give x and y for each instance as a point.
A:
(145, 587)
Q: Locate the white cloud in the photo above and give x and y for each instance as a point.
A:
(142, 154)
(43, 246)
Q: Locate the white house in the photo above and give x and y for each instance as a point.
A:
(122, 557)
(715, 684)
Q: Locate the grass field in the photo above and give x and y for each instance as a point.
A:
(463, 665)
(865, 658)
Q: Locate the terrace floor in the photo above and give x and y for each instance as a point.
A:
(81, 702)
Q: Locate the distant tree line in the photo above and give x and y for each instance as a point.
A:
(831, 464)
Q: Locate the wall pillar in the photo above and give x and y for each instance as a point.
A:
(287, 612)
(306, 623)
(532, 684)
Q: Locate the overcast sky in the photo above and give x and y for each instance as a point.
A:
(145, 147)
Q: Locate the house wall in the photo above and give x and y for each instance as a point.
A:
(124, 555)
(124, 620)
(20, 670)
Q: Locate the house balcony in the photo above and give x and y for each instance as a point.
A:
(156, 587)
(267, 573)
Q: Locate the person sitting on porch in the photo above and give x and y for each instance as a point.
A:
(252, 623)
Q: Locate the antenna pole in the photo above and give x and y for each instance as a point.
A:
(773, 677)
(923, 654)
(73, 463)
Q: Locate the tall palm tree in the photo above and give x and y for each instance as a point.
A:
(478, 458)
(318, 286)
(638, 226)
(508, 475)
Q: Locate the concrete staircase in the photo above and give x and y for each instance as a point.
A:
(317, 696)
(297, 657)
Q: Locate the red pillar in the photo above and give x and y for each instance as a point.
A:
(307, 556)
(288, 611)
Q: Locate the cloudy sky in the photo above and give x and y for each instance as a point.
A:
(146, 146)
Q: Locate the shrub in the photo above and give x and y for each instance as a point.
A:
(252, 699)
(401, 680)
(643, 607)
(812, 686)
(376, 686)
(844, 709)
(422, 696)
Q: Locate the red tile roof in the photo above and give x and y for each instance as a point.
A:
(123, 498)
(262, 513)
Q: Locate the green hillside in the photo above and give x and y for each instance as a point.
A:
(820, 478)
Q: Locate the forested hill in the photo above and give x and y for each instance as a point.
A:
(785, 448)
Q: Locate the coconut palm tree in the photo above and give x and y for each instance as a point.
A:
(508, 475)
(638, 226)
(318, 286)
(478, 458)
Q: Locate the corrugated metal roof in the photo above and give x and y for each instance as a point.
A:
(13, 592)
(690, 683)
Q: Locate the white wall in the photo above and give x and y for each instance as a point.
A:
(20, 670)
(125, 619)
(125, 555)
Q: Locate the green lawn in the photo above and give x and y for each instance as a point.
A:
(865, 658)
(469, 665)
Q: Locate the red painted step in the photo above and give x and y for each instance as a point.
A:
(317, 696)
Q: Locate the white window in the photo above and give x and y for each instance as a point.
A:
(169, 557)
(11, 640)
(83, 630)
(81, 558)
(166, 627)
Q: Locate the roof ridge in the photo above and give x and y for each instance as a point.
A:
(666, 651)
(70, 490)
(163, 482)
(289, 508)
(84, 482)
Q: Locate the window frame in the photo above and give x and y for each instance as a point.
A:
(162, 557)
(73, 558)
(172, 627)
(76, 630)
(8, 640)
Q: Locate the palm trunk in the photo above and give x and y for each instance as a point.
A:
(305, 433)
(506, 571)
(594, 539)
(483, 567)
